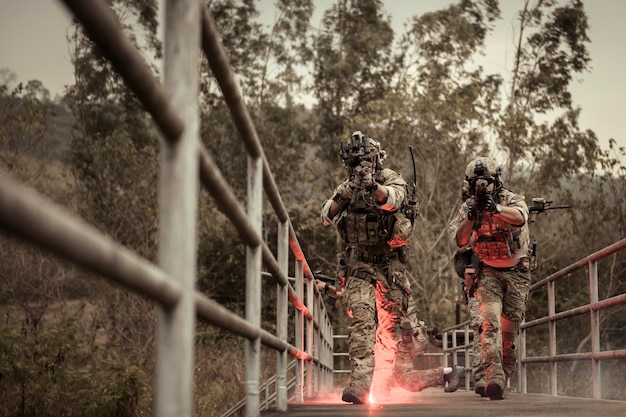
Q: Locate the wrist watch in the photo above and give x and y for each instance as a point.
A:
(498, 208)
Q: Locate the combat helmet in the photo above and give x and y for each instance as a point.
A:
(362, 148)
(485, 168)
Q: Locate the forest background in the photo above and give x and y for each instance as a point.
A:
(73, 344)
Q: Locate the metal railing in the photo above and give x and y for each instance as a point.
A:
(457, 348)
(186, 165)
(593, 308)
(451, 336)
(268, 393)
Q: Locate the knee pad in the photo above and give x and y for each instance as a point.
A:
(508, 325)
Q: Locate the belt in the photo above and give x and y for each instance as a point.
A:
(366, 277)
(377, 259)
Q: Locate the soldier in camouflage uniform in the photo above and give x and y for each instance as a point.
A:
(374, 288)
(494, 221)
(465, 263)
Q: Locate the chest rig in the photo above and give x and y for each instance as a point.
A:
(495, 239)
(364, 224)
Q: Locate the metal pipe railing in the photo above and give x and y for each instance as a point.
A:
(594, 306)
(184, 163)
(178, 212)
(27, 214)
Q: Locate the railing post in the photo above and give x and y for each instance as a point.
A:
(309, 337)
(253, 286)
(299, 330)
(282, 317)
(178, 211)
(521, 366)
(594, 316)
(552, 338)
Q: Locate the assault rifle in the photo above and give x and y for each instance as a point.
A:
(481, 198)
(412, 206)
(357, 156)
(540, 204)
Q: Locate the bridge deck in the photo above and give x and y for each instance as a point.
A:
(434, 402)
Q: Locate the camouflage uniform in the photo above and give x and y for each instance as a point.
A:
(503, 285)
(415, 380)
(462, 260)
(476, 321)
(376, 288)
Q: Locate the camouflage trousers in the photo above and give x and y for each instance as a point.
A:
(376, 299)
(502, 294)
(414, 380)
(476, 321)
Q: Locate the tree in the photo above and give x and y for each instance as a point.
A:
(352, 65)
(550, 51)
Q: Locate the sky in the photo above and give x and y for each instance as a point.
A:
(34, 47)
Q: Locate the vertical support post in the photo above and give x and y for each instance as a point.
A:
(178, 211)
(552, 338)
(469, 356)
(299, 330)
(328, 381)
(282, 310)
(252, 348)
(594, 316)
(444, 347)
(316, 349)
(522, 381)
(309, 337)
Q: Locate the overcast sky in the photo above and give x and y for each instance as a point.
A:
(33, 45)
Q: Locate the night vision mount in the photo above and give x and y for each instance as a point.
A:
(360, 148)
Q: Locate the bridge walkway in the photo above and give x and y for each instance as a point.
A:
(434, 402)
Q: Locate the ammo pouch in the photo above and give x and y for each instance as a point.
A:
(401, 230)
(363, 229)
(499, 245)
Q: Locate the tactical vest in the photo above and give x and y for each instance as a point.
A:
(495, 239)
(366, 225)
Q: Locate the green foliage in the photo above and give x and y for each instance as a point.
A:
(52, 370)
(352, 64)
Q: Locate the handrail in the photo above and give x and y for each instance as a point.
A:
(593, 308)
(26, 213)
(171, 284)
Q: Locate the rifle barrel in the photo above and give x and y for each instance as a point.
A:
(324, 278)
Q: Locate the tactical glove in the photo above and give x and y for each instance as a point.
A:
(346, 193)
(364, 178)
(367, 180)
(488, 204)
(471, 209)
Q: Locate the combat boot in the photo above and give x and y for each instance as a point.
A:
(355, 395)
(479, 387)
(495, 390)
(453, 378)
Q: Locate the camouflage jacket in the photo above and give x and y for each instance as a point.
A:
(497, 243)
